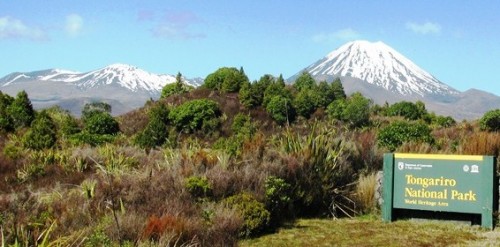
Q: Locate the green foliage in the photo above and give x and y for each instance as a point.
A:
(444, 121)
(306, 102)
(42, 134)
(355, 110)
(195, 115)
(65, 123)
(198, 187)
(156, 132)
(242, 124)
(226, 79)
(91, 108)
(326, 94)
(281, 109)
(490, 120)
(91, 139)
(175, 88)
(338, 89)
(278, 197)
(408, 110)
(101, 123)
(399, 132)
(255, 216)
(247, 95)
(21, 111)
(275, 89)
(304, 82)
(6, 123)
(336, 109)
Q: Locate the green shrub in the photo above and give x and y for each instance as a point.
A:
(156, 132)
(201, 114)
(100, 123)
(399, 132)
(198, 186)
(278, 197)
(226, 79)
(304, 82)
(408, 110)
(42, 134)
(255, 216)
(355, 110)
(306, 102)
(444, 121)
(281, 109)
(21, 111)
(91, 139)
(175, 88)
(490, 121)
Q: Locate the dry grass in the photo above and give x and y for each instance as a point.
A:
(371, 232)
(365, 193)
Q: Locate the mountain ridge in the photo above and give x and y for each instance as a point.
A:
(124, 86)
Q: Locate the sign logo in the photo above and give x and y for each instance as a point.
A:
(466, 168)
(401, 165)
(474, 169)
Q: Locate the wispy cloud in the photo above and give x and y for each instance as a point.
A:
(342, 34)
(174, 25)
(11, 28)
(424, 28)
(74, 25)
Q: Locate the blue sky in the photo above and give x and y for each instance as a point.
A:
(456, 41)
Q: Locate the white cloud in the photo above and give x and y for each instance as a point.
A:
(424, 28)
(11, 28)
(346, 34)
(74, 24)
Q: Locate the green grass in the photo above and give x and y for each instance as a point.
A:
(371, 231)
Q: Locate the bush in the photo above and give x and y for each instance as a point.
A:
(490, 121)
(281, 110)
(226, 79)
(306, 102)
(91, 139)
(42, 134)
(278, 198)
(408, 110)
(399, 132)
(255, 216)
(198, 186)
(175, 88)
(21, 111)
(100, 123)
(304, 82)
(201, 114)
(156, 132)
(355, 110)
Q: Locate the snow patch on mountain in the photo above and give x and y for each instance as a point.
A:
(379, 64)
(127, 76)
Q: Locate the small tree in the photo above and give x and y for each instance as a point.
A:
(156, 132)
(490, 121)
(304, 81)
(21, 110)
(305, 102)
(399, 132)
(201, 114)
(100, 123)
(357, 110)
(42, 134)
(226, 79)
(408, 110)
(175, 88)
(338, 89)
(280, 109)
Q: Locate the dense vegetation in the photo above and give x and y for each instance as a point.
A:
(208, 166)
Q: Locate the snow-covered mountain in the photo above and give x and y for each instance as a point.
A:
(126, 76)
(123, 86)
(383, 74)
(380, 65)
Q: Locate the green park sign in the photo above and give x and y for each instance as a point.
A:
(463, 184)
